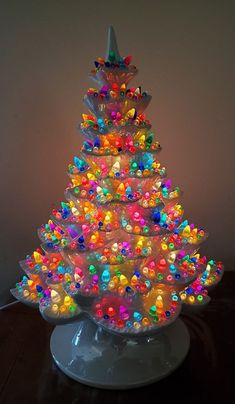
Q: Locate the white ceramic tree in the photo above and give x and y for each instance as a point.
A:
(118, 250)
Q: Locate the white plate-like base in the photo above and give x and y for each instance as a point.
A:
(90, 355)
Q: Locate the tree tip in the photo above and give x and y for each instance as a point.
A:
(112, 53)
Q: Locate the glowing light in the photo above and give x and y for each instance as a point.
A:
(26, 293)
(55, 308)
(55, 297)
(191, 299)
(119, 238)
(159, 302)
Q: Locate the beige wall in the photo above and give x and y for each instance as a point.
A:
(185, 53)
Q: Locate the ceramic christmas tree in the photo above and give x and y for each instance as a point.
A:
(117, 255)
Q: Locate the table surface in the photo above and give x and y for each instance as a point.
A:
(29, 375)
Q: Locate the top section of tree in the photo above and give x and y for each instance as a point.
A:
(114, 69)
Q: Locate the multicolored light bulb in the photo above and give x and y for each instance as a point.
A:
(119, 248)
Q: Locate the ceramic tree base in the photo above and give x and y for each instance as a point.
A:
(90, 355)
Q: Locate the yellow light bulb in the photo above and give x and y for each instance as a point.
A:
(121, 189)
(75, 211)
(55, 297)
(91, 176)
(77, 277)
(191, 299)
(67, 300)
(37, 257)
(186, 231)
(93, 238)
(130, 114)
(116, 167)
(159, 302)
(171, 257)
(145, 271)
(123, 280)
(44, 268)
(30, 282)
(115, 247)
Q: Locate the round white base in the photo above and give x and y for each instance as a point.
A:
(90, 355)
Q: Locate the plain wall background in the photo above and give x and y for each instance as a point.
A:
(184, 51)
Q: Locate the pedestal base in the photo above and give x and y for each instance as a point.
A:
(90, 355)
